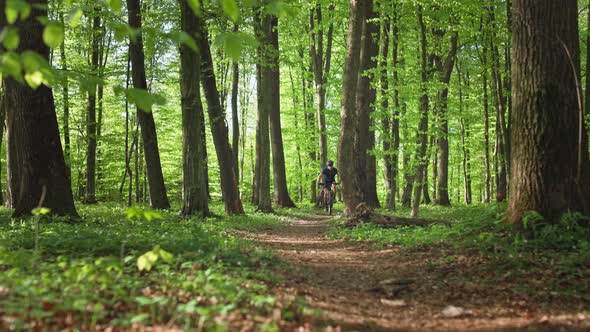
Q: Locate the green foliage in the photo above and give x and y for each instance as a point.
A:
(234, 43)
(9, 38)
(230, 7)
(106, 270)
(53, 34)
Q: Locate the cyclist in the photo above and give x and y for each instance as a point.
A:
(329, 176)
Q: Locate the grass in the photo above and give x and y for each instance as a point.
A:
(136, 272)
(556, 255)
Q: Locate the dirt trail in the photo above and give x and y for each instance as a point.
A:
(345, 280)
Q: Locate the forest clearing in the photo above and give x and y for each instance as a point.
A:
(302, 165)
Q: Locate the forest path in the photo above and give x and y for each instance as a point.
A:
(358, 287)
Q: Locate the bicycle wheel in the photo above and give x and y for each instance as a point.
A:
(331, 203)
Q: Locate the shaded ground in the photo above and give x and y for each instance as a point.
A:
(360, 288)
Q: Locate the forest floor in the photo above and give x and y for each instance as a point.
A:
(357, 286)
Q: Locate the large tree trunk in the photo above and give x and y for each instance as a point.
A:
(347, 158)
(548, 168)
(272, 98)
(229, 181)
(158, 197)
(264, 203)
(194, 183)
(90, 194)
(423, 126)
(365, 99)
(36, 150)
(444, 71)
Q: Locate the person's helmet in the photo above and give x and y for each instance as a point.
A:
(330, 163)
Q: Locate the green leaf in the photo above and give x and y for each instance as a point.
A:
(10, 38)
(280, 9)
(143, 99)
(166, 256)
(234, 43)
(34, 79)
(181, 37)
(75, 17)
(53, 35)
(230, 7)
(115, 5)
(11, 66)
(195, 6)
(144, 263)
(14, 8)
(41, 211)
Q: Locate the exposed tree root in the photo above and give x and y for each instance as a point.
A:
(364, 214)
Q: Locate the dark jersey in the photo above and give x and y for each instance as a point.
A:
(329, 175)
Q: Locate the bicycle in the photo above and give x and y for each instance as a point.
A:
(327, 197)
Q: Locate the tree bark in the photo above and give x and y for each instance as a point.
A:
(271, 78)
(444, 71)
(2, 117)
(235, 118)
(229, 181)
(264, 203)
(548, 173)
(90, 194)
(321, 68)
(423, 126)
(66, 105)
(365, 98)
(388, 172)
(157, 188)
(33, 130)
(350, 179)
(486, 107)
(194, 184)
(500, 101)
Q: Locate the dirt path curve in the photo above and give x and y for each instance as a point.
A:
(345, 281)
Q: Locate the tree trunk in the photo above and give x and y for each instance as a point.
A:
(385, 120)
(423, 126)
(264, 203)
(271, 79)
(235, 118)
(365, 98)
(548, 173)
(66, 106)
(464, 145)
(321, 68)
(486, 107)
(90, 194)
(194, 184)
(2, 117)
(158, 197)
(229, 181)
(444, 71)
(395, 127)
(501, 130)
(350, 179)
(36, 152)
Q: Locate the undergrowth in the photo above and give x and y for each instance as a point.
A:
(110, 270)
(558, 254)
